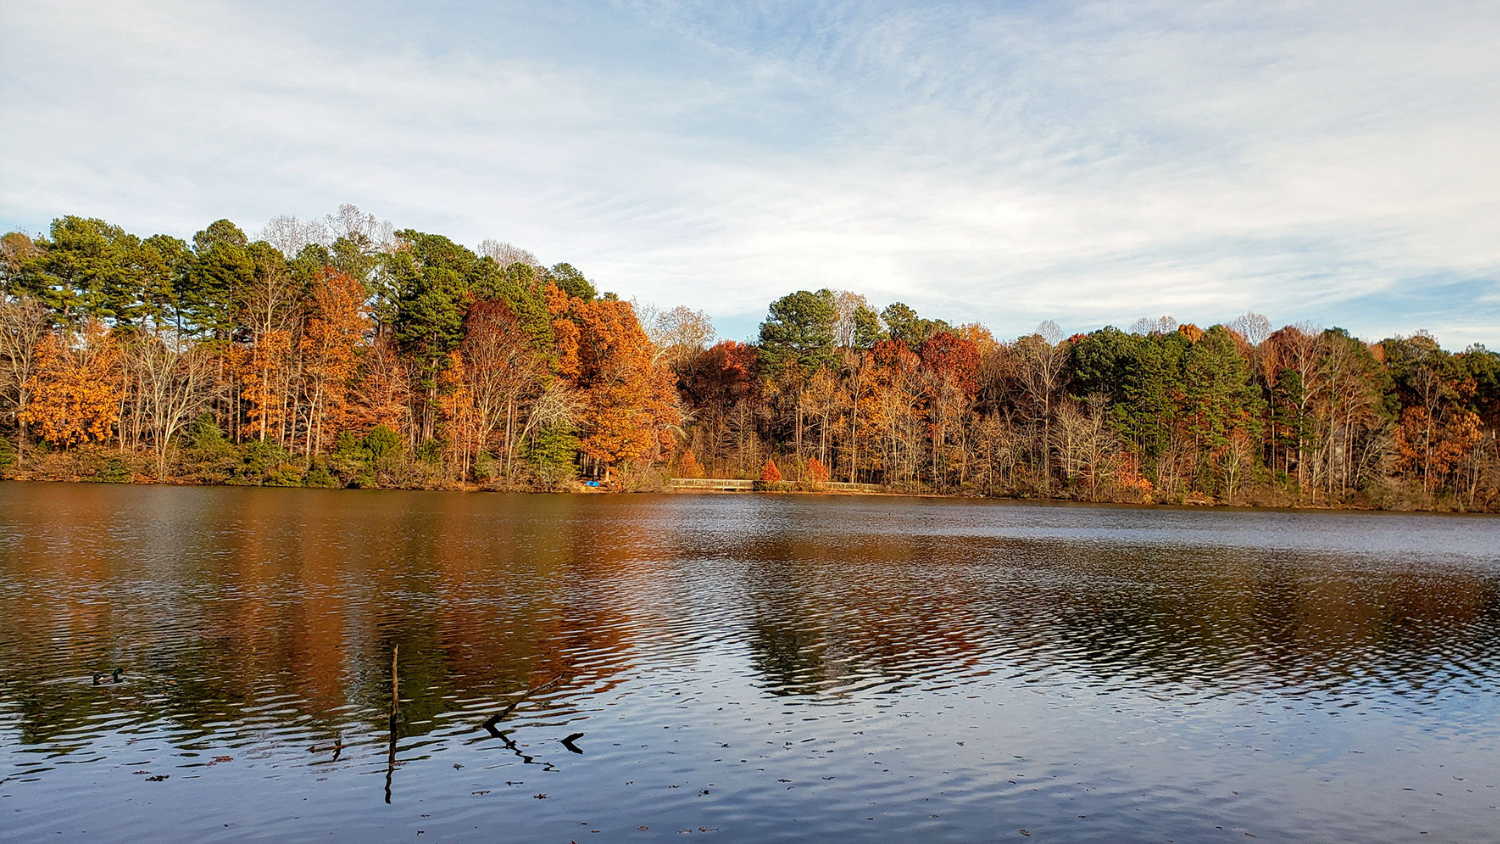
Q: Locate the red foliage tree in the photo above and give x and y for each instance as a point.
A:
(894, 355)
(946, 354)
(770, 474)
(722, 375)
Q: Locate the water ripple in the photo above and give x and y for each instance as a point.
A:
(752, 668)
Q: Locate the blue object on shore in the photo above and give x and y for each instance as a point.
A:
(590, 483)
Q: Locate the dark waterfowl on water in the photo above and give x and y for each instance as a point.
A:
(101, 679)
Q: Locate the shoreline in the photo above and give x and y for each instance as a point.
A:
(578, 488)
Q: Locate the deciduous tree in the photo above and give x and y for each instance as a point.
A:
(76, 388)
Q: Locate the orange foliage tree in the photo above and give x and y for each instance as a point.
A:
(382, 392)
(76, 388)
(689, 467)
(260, 375)
(1434, 446)
(456, 407)
(816, 470)
(330, 350)
(630, 400)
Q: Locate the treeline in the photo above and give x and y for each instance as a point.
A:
(346, 353)
(337, 353)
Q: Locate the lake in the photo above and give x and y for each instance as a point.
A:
(738, 668)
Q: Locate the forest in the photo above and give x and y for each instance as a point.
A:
(343, 352)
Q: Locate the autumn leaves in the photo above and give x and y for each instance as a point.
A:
(351, 354)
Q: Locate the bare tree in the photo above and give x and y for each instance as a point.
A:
(558, 405)
(1238, 458)
(173, 382)
(1254, 328)
(1160, 325)
(856, 377)
(741, 437)
(994, 443)
(847, 303)
(506, 254)
(290, 235)
(1040, 370)
(24, 324)
(822, 400)
(679, 334)
(1346, 419)
(365, 231)
(947, 407)
(1086, 448)
(503, 375)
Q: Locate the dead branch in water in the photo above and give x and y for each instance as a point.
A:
(390, 762)
(501, 715)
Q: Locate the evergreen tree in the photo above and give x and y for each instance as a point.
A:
(799, 332)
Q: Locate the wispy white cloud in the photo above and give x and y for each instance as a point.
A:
(1085, 162)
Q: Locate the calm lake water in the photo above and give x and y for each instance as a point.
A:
(738, 668)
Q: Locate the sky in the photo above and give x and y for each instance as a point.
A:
(1331, 163)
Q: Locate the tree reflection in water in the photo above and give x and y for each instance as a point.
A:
(263, 618)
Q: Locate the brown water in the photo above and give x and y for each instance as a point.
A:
(740, 668)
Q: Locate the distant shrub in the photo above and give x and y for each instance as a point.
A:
(431, 452)
(265, 463)
(770, 479)
(486, 467)
(348, 446)
(640, 477)
(204, 435)
(382, 442)
(320, 474)
(96, 466)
